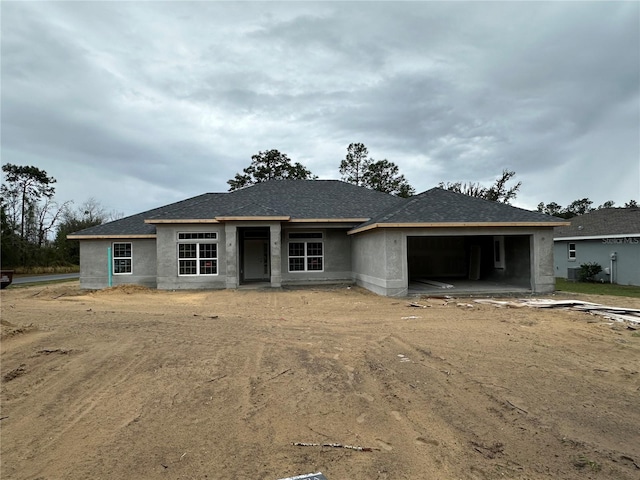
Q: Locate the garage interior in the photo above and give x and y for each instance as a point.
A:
(477, 264)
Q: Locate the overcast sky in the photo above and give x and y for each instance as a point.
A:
(140, 104)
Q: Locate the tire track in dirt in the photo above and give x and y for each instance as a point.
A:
(487, 410)
(225, 397)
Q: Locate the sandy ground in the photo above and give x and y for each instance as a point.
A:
(129, 383)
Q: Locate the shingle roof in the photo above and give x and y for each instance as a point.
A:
(602, 223)
(298, 199)
(322, 199)
(134, 224)
(444, 206)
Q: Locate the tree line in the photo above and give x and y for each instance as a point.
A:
(34, 227)
(357, 168)
(360, 169)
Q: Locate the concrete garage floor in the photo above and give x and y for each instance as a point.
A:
(465, 287)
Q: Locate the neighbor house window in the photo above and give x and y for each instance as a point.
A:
(572, 251)
(306, 252)
(121, 258)
(197, 257)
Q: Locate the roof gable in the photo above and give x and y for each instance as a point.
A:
(439, 206)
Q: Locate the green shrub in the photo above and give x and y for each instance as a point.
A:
(588, 271)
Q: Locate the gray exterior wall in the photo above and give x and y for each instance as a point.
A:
(337, 257)
(94, 263)
(375, 259)
(380, 261)
(626, 267)
(380, 255)
(167, 252)
(543, 279)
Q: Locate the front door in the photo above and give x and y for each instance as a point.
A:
(255, 255)
(256, 260)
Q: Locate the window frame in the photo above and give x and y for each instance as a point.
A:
(198, 243)
(117, 258)
(307, 240)
(572, 253)
(197, 236)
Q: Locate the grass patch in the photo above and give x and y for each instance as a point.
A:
(563, 285)
(582, 462)
(45, 270)
(41, 284)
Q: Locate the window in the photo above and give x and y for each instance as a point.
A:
(197, 235)
(572, 251)
(122, 258)
(306, 253)
(197, 258)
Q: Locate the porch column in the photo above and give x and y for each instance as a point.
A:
(276, 254)
(231, 255)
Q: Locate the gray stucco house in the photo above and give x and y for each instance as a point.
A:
(297, 232)
(609, 237)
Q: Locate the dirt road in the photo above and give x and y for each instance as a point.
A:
(133, 383)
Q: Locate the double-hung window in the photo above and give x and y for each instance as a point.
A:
(572, 251)
(122, 258)
(306, 252)
(197, 253)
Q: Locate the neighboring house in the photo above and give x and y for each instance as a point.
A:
(297, 232)
(609, 237)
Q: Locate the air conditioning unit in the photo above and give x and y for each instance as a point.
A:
(573, 274)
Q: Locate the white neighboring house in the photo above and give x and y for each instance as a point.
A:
(609, 237)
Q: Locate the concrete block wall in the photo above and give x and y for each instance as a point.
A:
(379, 256)
(379, 259)
(94, 264)
(337, 258)
(167, 252)
(542, 272)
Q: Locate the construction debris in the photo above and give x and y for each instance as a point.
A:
(433, 283)
(617, 314)
(308, 476)
(334, 445)
(465, 305)
(417, 305)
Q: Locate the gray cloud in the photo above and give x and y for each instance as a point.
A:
(144, 103)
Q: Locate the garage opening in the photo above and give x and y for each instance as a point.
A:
(469, 263)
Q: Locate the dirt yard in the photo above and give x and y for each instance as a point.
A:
(130, 383)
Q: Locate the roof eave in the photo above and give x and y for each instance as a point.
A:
(598, 237)
(154, 221)
(106, 237)
(329, 220)
(249, 218)
(456, 225)
(272, 218)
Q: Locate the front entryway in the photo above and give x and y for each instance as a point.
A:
(255, 265)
